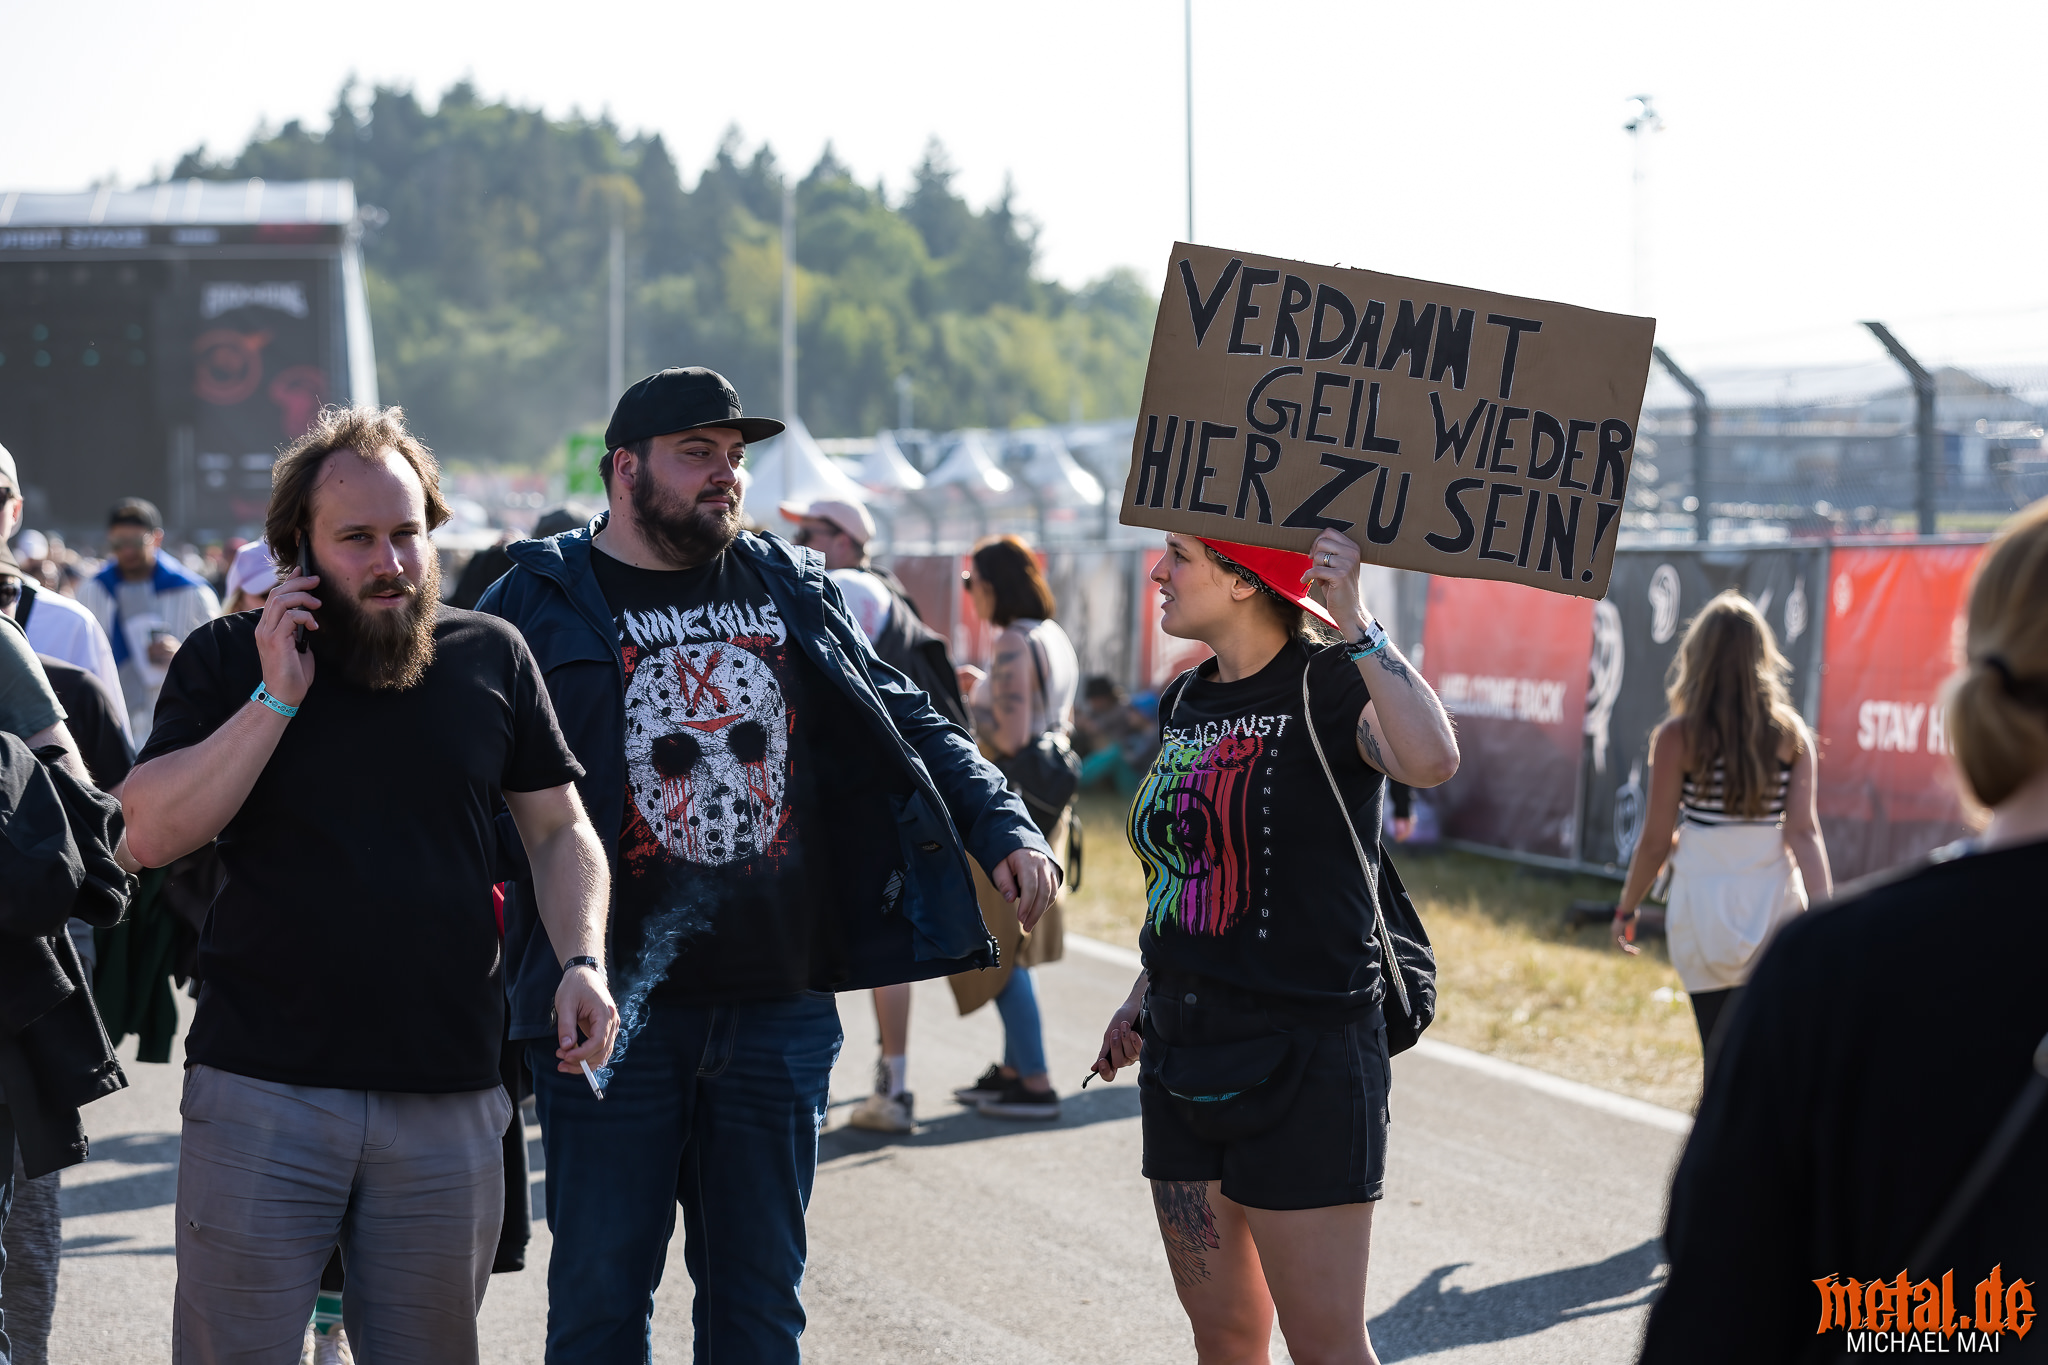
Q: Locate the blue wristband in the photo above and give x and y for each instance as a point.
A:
(262, 694)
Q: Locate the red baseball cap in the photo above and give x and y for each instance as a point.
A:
(1280, 570)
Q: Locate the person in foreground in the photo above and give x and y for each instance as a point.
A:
(353, 789)
(1732, 805)
(787, 817)
(1874, 1053)
(1263, 1071)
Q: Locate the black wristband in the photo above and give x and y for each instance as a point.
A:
(585, 961)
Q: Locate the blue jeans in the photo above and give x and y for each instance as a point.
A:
(1023, 1034)
(715, 1108)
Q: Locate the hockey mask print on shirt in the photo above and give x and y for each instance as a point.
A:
(707, 741)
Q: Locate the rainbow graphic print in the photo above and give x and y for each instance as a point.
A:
(1190, 826)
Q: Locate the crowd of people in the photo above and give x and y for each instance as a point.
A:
(619, 836)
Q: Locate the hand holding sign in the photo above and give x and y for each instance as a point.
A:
(1442, 429)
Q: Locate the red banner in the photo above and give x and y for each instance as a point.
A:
(1510, 663)
(1887, 791)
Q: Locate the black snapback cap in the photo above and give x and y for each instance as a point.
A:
(682, 400)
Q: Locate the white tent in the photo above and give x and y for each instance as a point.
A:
(791, 469)
(887, 469)
(1055, 476)
(972, 466)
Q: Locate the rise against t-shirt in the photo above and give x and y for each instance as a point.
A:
(715, 898)
(1250, 876)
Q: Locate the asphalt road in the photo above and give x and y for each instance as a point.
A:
(1520, 1222)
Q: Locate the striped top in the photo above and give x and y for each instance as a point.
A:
(1704, 803)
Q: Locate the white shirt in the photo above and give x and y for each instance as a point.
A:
(867, 600)
(66, 629)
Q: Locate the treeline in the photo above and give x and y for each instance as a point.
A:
(488, 282)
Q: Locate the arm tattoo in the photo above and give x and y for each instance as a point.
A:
(1188, 1226)
(1370, 745)
(1394, 665)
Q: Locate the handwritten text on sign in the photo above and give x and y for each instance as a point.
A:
(1443, 429)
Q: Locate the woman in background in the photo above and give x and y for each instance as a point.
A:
(1732, 788)
(1029, 690)
(1880, 1045)
(250, 579)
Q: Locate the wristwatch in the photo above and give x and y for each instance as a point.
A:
(584, 961)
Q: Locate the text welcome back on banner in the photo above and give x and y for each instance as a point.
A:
(1444, 429)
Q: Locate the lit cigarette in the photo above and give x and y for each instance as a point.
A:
(591, 1076)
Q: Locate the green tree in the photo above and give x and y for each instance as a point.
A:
(488, 282)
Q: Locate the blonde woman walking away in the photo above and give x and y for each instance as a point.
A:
(1731, 806)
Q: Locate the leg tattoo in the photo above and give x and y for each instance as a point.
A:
(1188, 1225)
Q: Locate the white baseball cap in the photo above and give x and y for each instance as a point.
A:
(252, 571)
(849, 517)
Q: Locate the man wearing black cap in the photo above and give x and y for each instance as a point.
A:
(786, 818)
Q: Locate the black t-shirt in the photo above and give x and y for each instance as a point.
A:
(94, 719)
(715, 896)
(1873, 1054)
(1250, 877)
(353, 943)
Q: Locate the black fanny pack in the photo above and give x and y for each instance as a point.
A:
(1229, 1090)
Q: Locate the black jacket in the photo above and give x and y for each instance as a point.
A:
(56, 862)
(946, 802)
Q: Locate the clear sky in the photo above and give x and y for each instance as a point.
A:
(1821, 162)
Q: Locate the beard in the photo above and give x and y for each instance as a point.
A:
(381, 649)
(684, 533)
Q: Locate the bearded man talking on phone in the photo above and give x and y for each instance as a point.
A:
(788, 817)
(349, 746)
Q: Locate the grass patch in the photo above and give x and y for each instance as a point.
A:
(1513, 978)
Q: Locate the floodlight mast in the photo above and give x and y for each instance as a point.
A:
(1188, 33)
(1643, 118)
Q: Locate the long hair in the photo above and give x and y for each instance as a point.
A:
(1011, 571)
(1726, 690)
(1998, 705)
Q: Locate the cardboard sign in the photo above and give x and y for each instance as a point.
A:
(1444, 429)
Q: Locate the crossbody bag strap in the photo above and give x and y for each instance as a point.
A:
(1389, 963)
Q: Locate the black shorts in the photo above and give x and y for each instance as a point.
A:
(1329, 1149)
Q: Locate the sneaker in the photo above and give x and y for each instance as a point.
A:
(326, 1348)
(880, 1113)
(1015, 1102)
(989, 1087)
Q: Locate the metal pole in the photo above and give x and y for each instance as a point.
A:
(1188, 31)
(1702, 422)
(903, 401)
(1644, 119)
(615, 358)
(1923, 396)
(788, 299)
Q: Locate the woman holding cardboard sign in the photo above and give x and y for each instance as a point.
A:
(1263, 1070)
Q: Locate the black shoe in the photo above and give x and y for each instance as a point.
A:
(989, 1087)
(1016, 1102)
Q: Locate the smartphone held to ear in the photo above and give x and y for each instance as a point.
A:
(305, 571)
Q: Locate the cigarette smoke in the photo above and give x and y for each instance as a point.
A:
(662, 937)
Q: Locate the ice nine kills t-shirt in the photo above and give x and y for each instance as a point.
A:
(1250, 877)
(714, 896)
(353, 944)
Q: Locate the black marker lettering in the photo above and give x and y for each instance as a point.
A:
(1494, 493)
(1380, 534)
(1331, 300)
(1281, 407)
(1251, 278)
(1155, 460)
(1608, 512)
(1294, 297)
(1528, 528)
(1384, 445)
(1211, 431)
(1310, 513)
(1450, 436)
(1454, 499)
(1316, 411)
(1559, 535)
(1365, 347)
(1615, 440)
(1504, 442)
(1180, 478)
(1351, 422)
(1203, 311)
(1515, 326)
(1572, 453)
(1250, 481)
(1410, 338)
(1543, 426)
(1453, 348)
